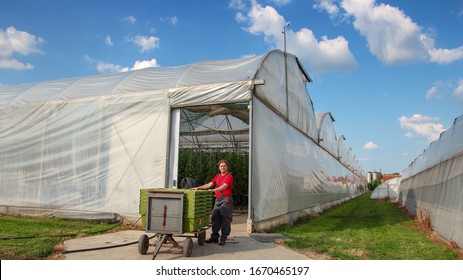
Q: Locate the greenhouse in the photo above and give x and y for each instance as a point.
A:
(89, 145)
(387, 190)
(326, 135)
(432, 185)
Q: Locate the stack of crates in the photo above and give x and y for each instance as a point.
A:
(143, 204)
(197, 207)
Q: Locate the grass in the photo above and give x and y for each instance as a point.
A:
(366, 229)
(356, 230)
(41, 238)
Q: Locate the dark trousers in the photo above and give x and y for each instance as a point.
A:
(221, 218)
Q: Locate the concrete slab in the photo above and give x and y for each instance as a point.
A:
(124, 246)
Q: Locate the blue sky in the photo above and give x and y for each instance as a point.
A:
(390, 72)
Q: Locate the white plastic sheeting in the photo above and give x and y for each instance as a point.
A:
(92, 154)
(387, 190)
(292, 171)
(211, 80)
(92, 143)
(326, 134)
(432, 185)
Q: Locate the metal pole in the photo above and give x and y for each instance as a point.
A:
(249, 221)
(284, 35)
(286, 71)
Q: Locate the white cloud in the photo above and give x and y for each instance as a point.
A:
(439, 90)
(281, 2)
(370, 146)
(12, 63)
(424, 126)
(444, 88)
(237, 4)
(88, 58)
(327, 5)
(110, 68)
(130, 19)
(392, 36)
(445, 56)
(172, 20)
(144, 64)
(324, 55)
(321, 55)
(431, 93)
(239, 17)
(13, 41)
(265, 20)
(108, 41)
(409, 135)
(145, 43)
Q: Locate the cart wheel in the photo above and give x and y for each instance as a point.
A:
(143, 244)
(201, 238)
(188, 247)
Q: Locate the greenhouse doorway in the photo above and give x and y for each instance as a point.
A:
(203, 135)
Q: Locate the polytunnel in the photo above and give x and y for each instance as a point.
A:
(431, 186)
(90, 144)
(387, 190)
(326, 135)
(341, 148)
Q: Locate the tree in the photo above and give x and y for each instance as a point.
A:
(373, 184)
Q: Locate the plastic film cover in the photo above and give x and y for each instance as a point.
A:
(93, 154)
(290, 171)
(92, 143)
(431, 187)
(326, 134)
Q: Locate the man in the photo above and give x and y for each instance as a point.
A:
(222, 213)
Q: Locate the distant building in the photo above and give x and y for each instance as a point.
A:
(374, 175)
(389, 176)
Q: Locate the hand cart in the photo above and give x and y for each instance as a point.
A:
(165, 217)
(143, 242)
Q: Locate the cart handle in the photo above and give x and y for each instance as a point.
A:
(164, 216)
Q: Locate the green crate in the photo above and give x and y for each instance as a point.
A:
(195, 224)
(197, 206)
(196, 203)
(142, 206)
(195, 214)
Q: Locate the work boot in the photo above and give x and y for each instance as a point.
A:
(222, 242)
(211, 240)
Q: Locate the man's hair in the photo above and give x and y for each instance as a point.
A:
(223, 161)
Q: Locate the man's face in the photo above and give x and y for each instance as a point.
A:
(223, 167)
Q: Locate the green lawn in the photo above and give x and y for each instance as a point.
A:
(36, 238)
(359, 229)
(365, 229)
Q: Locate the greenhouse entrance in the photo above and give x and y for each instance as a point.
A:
(203, 135)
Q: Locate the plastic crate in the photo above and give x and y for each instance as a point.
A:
(197, 207)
